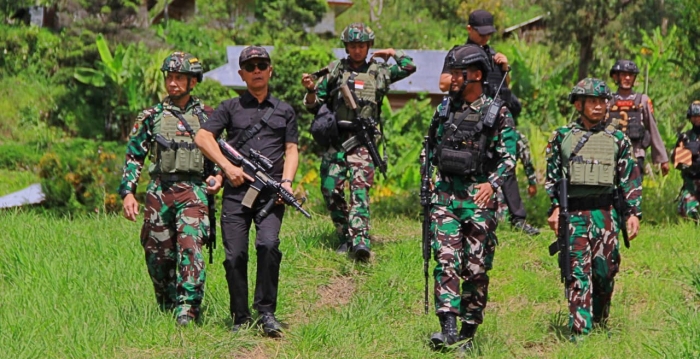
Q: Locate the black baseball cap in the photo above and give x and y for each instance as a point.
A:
(482, 21)
(253, 52)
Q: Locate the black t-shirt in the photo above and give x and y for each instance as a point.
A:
(236, 114)
(498, 72)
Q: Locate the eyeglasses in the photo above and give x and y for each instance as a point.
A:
(250, 67)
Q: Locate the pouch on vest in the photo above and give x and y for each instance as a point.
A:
(594, 164)
(183, 156)
(457, 154)
(324, 128)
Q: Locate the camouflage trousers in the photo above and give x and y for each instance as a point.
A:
(464, 244)
(595, 260)
(174, 228)
(356, 166)
(688, 199)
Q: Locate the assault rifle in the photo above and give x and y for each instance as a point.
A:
(425, 192)
(257, 167)
(621, 209)
(365, 128)
(561, 245)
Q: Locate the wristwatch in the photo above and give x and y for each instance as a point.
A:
(285, 180)
(123, 193)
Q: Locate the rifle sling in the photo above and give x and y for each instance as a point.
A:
(253, 130)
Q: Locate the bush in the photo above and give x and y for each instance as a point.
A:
(16, 156)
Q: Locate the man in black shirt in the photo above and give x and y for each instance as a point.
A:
(480, 29)
(276, 138)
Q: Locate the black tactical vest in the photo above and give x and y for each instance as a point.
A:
(463, 150)
(627, 116)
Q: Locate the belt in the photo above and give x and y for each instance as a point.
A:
(180, 177)
(590, 203)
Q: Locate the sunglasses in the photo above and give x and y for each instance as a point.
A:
(260, 65)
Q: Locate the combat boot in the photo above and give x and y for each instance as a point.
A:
(448, 334)
(184, 320)
(466, 335)
(343, 248)
(361, 252)
(526, 227)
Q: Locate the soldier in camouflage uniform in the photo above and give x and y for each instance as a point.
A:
(473, 153)
(370, 80)
(598, 160)
(686, 158)
(523, 154)
(633, 114)
(175, 219)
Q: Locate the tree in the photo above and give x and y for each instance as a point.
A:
(582, 21)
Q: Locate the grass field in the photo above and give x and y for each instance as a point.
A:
(78, 288)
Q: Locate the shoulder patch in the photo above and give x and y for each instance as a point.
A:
(651, 107)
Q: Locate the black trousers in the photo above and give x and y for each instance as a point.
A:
(235, 226)
(511, 194)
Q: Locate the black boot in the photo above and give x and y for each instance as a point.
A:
(448, 334)
(466, 334)
(270, 326)
(361, 253)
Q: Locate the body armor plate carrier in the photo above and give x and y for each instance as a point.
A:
(182, 156)
(627, 116)
(592, 170)
(463, 149)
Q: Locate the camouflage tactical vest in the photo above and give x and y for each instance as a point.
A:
(627, 116)
(368, 86)
(592, 171)
(182, 156)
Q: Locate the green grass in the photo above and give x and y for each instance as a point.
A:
(12, 181)
(79, 289)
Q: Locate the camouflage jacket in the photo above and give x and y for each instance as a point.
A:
(391, 73)
(523, 154)
(460, 191)
(626, 177)
(142, 138)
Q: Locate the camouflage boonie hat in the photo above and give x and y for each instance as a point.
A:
(694, 109)
(357, 32)
(464, 56)
(184, 63)
(624, 66)
(590, 87)
(253, 52)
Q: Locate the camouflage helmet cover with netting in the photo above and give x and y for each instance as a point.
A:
(357, 32)
(184, 63)
(590, 87)
(624, 66)
(464, 56)
(694, 109)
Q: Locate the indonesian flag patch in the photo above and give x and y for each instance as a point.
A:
(135, 128)
(359, 85)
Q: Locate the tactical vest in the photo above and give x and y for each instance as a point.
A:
(367, 86)
(694, 147)
(463, 151)
(182, 156)
(592, 171)
(627, 116)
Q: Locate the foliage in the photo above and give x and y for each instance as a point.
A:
(83, 170)
(208, 45)
(17, 156)
(212, 93)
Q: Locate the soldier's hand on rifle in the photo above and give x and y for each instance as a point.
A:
(384, 54)
(484, 194)
(632, 227)
(553, 221)
(236, 175)
(288, 186)
(214, 184)
(531, 190)
(131, 207)
(664, 168)
(308, 82)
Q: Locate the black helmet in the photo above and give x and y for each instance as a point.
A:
(624, 66)
(693, 110)
(464, 56)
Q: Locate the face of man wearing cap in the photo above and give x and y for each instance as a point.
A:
(256, 73)
(476, 37)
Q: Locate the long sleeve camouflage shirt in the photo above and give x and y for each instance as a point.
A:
(627, 174)
(502, 142)
(523, 154)
(403, 68)
(142, 138)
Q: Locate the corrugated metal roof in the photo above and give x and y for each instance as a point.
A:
(425, 79)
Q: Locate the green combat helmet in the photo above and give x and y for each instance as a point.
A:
(184, 63)
(590, 87)
(357, 32)
(694, 109)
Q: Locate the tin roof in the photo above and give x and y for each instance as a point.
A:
(424, 80)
